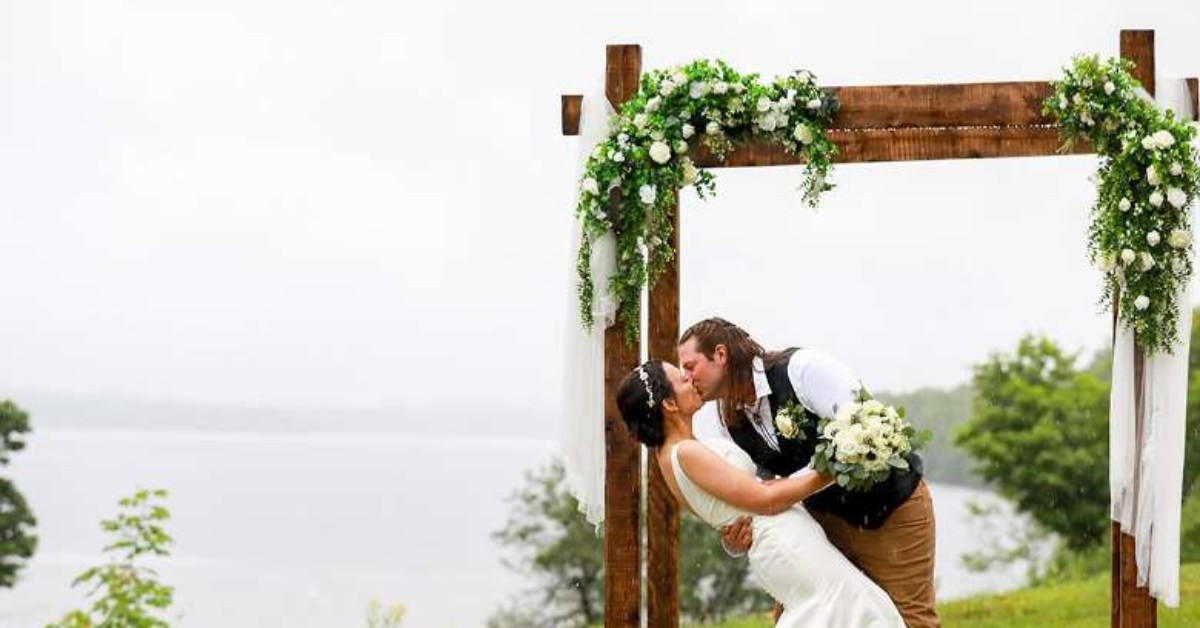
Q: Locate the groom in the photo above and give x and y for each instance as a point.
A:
(888, 531)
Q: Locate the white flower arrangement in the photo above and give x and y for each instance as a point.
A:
(792, 422)
(645, 159)
(1147, 180)
(865, 443)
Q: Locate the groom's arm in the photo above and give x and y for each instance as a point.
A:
(822, 382)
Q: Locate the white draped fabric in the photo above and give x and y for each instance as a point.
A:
(1146, 475)
(583, 376)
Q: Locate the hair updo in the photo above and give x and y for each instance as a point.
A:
(643, 418)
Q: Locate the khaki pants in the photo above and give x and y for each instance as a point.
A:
(897, 556)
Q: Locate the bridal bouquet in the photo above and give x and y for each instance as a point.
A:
(864, 444)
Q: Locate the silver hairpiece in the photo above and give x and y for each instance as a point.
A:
(645, 377)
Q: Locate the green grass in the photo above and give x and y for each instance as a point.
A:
(1083, 603)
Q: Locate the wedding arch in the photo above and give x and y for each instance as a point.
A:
(871, 124)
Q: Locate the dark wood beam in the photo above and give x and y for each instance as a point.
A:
(623, 461)
(911, 144)
(572, 106)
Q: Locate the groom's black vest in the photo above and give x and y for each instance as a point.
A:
(867, 509)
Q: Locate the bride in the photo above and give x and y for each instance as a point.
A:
(790, 556)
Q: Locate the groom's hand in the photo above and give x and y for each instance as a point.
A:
(737, 536)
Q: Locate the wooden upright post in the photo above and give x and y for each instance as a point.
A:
(623, 461)
(1133, 607)
(662, 514)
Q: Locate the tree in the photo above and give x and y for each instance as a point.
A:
(17, 540)
(556, 545)
(124, 592)
(1039, 433)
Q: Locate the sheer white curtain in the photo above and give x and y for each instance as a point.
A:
(1151, 510)
(583, 410)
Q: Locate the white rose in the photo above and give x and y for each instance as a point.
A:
(767, 123)
(687, 131)
(622, 139)
(1151, 175)
(648, 194)
(1062, 102)
(666, 87)
(1156, 198)
(1148, 142)
(720, 87)
(1147, 261)
(712, 128)
(803, 134)
(617, 156)
(1109, 88)
(1077, 99)
(681, 147)
(1142, 302)
(640, 120)
(1164, 139)
(1176, 169)
(1127, 256)
(689, 172)
(1087, 82)
(660, 152)
(787, 427)
(804, 77)
(678, 78)
(699, 89)
(1179, 239)
(590, 186)
(1107, 263)
(1153, 238)
(764, 104)
(653, 104)
(1176, 197)
(657, 136)
(814, 103)
(1124, 205)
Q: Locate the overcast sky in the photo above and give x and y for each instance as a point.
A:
(369, 203)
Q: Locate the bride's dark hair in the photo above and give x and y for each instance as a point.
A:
(643, 417)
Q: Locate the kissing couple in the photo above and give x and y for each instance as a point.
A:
(831, 556)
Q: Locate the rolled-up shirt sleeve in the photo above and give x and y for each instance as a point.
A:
(822, 382)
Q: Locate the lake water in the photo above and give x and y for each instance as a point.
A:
(303, 530)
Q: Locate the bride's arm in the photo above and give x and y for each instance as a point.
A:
(741, 490)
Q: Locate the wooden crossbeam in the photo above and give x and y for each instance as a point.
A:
(572, 106)
(916, 122)
(964, 104)
(908, 144)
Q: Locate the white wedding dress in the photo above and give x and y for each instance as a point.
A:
(792, 560)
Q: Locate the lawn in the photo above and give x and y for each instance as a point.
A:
(1083, 603)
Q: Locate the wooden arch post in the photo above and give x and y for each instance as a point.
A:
(875, 124)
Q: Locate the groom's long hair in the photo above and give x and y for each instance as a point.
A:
(739, 374)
